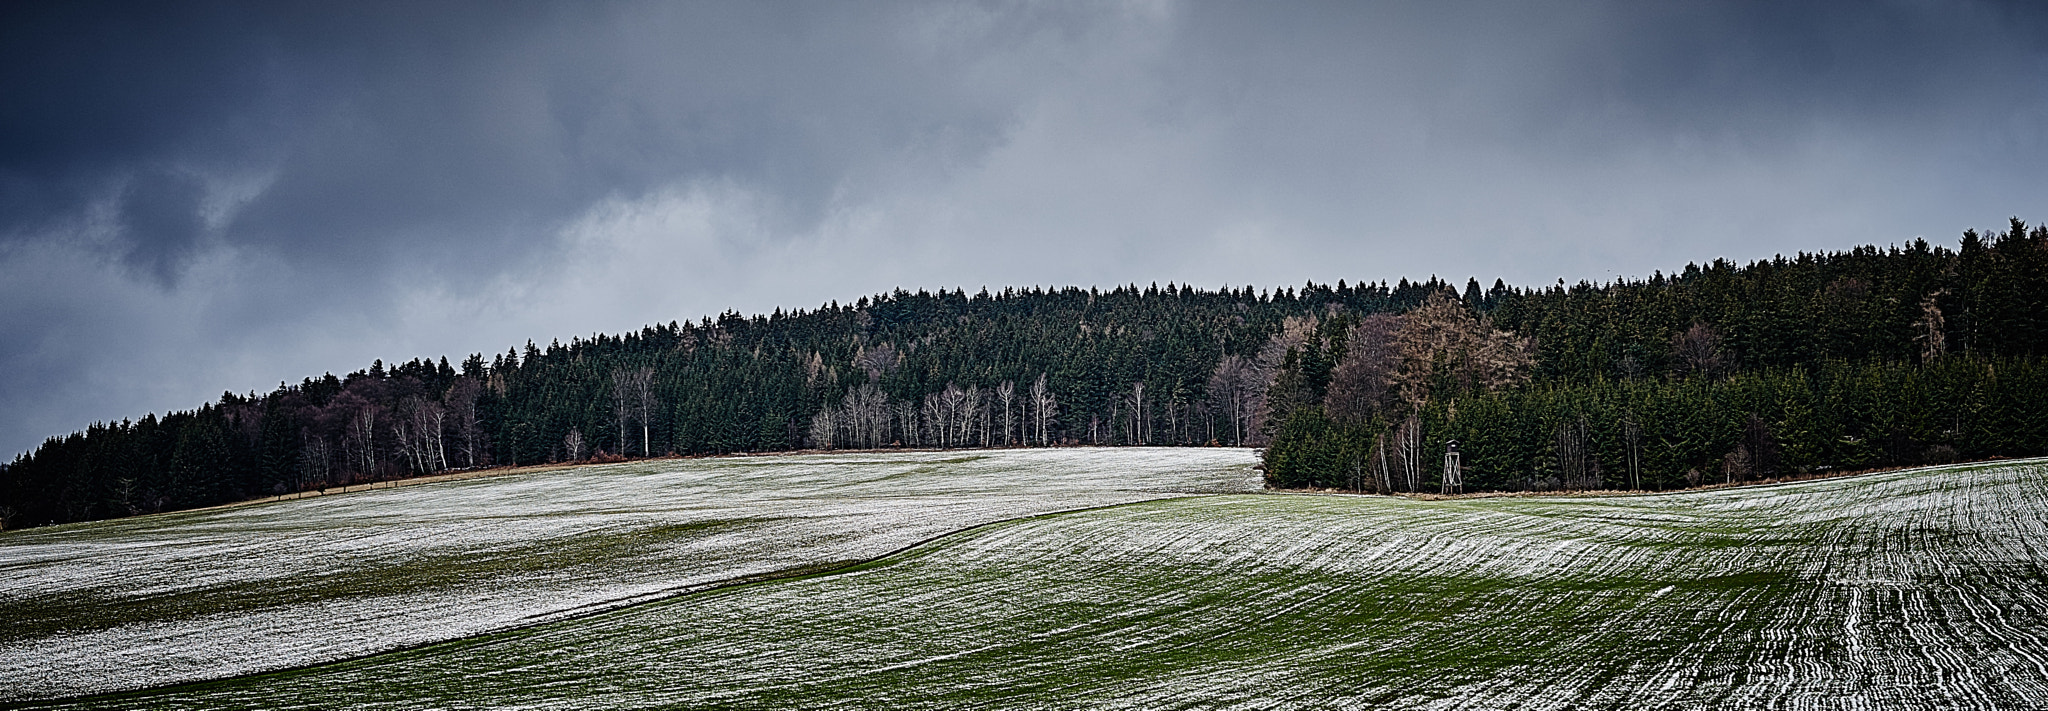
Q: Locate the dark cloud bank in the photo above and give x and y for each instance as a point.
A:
(207, 197)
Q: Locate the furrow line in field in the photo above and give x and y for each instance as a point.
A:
(1734, 598)
(231, 589)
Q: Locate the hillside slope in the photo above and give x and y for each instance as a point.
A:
(1905, 590)
(1870, 357)
(155, 600)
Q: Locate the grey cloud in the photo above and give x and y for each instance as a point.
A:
(161, 218)
(461, 131)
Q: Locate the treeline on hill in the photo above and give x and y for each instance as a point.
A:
(1854, 359)
(1036, 367)
(1866, 358)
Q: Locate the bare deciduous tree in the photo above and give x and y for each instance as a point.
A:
(906, 423)
(824, 430)
(359, 437)
(954, 415)
(814, 368)
(416, 429)
(316, 459)
(1408, 443)
(1006, 394)
(864, 413)
(1363, 383)
(1443, 337)
(1237, 386)
(978, 415)
(427, 419)
(1697, 351)
(363, 427)
(461, 406)
(877, 361)
(573, 445)
(1044, 407)
(1386, 474)
(934, 414)
(1264, 372)
(966, 412)
(1756, 455)
(1931, 330)
(1140, 434)
(1573, 461)
(633, 399)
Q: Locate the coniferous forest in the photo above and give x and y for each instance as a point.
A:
(1718, 373)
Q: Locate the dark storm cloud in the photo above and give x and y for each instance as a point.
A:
(451, 131)
(208, 196)
(160, 214)
(1763, 70)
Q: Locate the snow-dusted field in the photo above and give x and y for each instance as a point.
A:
(203, 595)
(1907, 590)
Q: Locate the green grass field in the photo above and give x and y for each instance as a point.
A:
(156, 600)
(1906, 590)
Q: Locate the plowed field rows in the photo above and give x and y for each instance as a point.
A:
(202, 595)
(1908, 590)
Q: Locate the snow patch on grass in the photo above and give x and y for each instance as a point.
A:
(156, 600)
(1907, 590)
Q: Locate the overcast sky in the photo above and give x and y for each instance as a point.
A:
(210, 197)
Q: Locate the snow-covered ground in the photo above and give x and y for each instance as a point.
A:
(202, 595)
(1908, 590)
